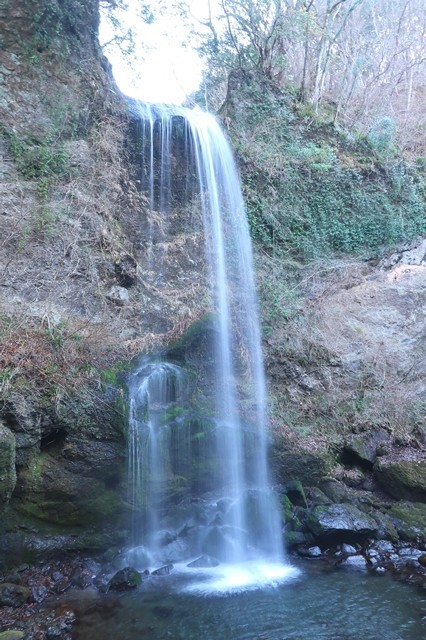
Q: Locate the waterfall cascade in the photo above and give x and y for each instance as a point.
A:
(239, 521)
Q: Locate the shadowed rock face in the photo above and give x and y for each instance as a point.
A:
(7, 465)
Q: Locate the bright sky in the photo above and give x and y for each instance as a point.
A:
(166, 69)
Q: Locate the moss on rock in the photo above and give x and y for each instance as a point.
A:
(409, 519)
(402, 479)
(7, 465)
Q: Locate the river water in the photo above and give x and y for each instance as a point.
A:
(316, 603)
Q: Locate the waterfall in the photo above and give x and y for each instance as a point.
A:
(240, 521)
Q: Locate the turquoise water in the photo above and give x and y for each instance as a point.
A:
(317, 604)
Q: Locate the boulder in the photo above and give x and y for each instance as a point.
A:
(358, 562)
(386, 526)
(341, 522)
(25, 423)
(403, 479)
(13, 595)
(118, 295)
(127, 578)
(409, 519)
(7, 465)
(295, 458)
(163, 571)
(362, 448)
(175, 551)
(335, 490)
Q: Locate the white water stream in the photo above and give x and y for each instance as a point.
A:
(241, 525)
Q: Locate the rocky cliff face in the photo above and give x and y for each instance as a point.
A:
(73, 301)
(78, 300)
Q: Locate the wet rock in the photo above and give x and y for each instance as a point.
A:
(422, 559)
(341, 521)
(176, 551)
(13, 595)
(127, 578)
(348, 548)
(373, 557)
(138, 557)
(163, 538)
(358, 563)
(203, 562)
(384, 546)
(309, 552)
(163, 571)
(402, 479)
(223, 504)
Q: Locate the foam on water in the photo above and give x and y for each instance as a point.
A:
(235, 578)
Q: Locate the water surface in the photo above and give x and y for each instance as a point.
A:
(315, 605)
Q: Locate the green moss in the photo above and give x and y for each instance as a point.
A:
(197, 331)
(114, 375)
(12, 635)
(409, 519)
(404, 479)
(312, 192)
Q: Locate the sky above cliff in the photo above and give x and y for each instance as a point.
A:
(163, 67)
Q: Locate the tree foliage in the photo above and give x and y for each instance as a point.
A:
(366, 58)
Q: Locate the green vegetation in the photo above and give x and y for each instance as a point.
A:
(313, 191)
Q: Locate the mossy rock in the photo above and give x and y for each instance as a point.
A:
(7, 465)
(294, 459)
(294, 491)
(362, 448)
(341, 522)
(402, 479)
(409, 519)
(50, 492)
(295, 538)
(12, 634)
(387, 529)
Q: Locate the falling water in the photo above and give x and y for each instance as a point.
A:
(244, 523)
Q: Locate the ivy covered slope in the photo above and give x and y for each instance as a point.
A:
(339, 226)
(313, 189)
